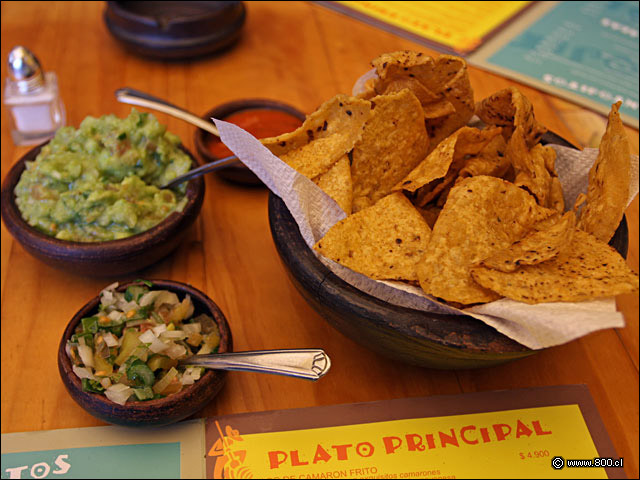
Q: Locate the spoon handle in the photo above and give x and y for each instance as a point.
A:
(201, 170)
(310, 364)
(134, 97)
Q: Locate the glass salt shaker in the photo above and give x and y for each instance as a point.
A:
(32, 98)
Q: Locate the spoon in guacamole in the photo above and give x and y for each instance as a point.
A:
(135, 97)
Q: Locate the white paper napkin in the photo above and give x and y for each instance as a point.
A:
(535, 326)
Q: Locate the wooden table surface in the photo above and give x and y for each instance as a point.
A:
(302, 54)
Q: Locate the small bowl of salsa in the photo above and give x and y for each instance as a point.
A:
(262, 118)
(108, 363)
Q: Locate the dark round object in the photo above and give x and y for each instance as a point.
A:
(175, 30)
(238, 173)
(163, 411)
(110, 258)
(412, 336)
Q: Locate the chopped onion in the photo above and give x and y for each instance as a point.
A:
(165, 296)
(105, 382)
(107, 297)
(125, 306)
(147, 337)
(165, 381)
(148, 298)
(118, 393)
(86, 354)
(173, 335)
(194, 372)
(159, 329)
(191, 328)
(141, 351)
(187, 379)
(156, 346)
(117, 387)
(115, 315)
(101, 347)
(110, 339)
(110, 288)
(175, 350)
(83, 372)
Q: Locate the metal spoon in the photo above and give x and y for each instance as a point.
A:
(307, 363)
(135, 97)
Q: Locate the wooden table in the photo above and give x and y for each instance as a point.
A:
(302, 54)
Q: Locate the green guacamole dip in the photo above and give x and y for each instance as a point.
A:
(100, 182)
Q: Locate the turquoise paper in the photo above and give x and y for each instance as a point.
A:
(151, 460)
(587, 48)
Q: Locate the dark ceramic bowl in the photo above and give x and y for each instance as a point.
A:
(164, 411)
(111, 258)
(175, 30)
(237, 173)
(420, 338)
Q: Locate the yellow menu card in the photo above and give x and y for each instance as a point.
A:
(548, 432)
(479, 435)
(461, 25)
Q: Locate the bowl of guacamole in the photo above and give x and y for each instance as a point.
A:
(90, 199)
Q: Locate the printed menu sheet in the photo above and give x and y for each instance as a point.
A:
(454, 26)
(549, 432)
(586, 52)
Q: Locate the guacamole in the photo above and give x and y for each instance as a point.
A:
(100, 182)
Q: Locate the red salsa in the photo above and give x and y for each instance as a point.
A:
(259, 122)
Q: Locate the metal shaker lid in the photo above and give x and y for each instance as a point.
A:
(25, 69)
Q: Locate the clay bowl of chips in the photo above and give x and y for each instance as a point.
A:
(104, 257)
(460, 206)
(420, 338)
(260, 117)
(177, 399)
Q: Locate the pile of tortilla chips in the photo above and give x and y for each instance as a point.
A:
(471, 214)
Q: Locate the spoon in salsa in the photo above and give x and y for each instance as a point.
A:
(307, 363)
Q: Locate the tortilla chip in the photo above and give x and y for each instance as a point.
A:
(441, 167)
(337, 183)
(483, 215)
(368, 90)
(445, 78)
(317, 157)
(384, 241)
(510, 109)
(491, 160)
(326, 135)
(404, 63)
(556, 195)
(608, 189)
(433, 105)
(540, 245)
(533, 164)
(588, 268)
(532, 171)
(394, 141)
